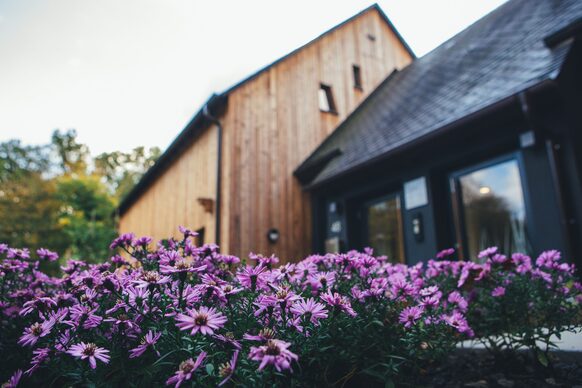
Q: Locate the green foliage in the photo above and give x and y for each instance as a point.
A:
(56, 196)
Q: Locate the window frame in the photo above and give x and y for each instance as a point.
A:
(456, 199)
(328, 90)
(357, 77)
(365, 205)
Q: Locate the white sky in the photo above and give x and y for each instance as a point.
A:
(126, 73)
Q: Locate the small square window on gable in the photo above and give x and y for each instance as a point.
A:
(326, 102)
(357, 77)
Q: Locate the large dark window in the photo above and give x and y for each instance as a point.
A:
(489, 209)
(384, 228)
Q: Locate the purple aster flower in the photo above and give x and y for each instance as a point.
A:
(458, 321)
(118, 260)
(252, 277)
(45, 254)
(41, 304)
(151, 280)
(264, 335)
(14, 380)
(311, 310)
(445, 253)
(21, 254)
(488, 252)
(204, 320)
(339, 302)
(228, 339)
(265, 303)
(548, 258)
(229, 290)
(40, 356)
(181, 267)
(89, 351)
(228, 259)
(410, 315)
(456, 298)
(186, 369)
(169, 257)
(57, 316)
(187, 232)
(33, 333)
(498, 258)
(321, 280)
(522, 263)
(429, 291)
(305, 268)
(83, 315)
(498, 291)
(121, 321)
(284, 297)
(274, 352)
(284, 272)
(400, 288)
(137, 296)
(123, 241)
(264, 261)
(72, 266)
(546, 277)
(227, 370)
(3, 248)
(148, 340)
(143, 241)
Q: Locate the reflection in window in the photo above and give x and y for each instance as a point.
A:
(493, 209)
(385, 229)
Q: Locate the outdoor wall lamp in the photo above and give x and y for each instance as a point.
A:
(273, 235)
(418, 227)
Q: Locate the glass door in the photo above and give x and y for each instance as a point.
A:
(383, 227)
(489, 209)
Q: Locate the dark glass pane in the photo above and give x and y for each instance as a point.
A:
(385, 229)
(494, 209)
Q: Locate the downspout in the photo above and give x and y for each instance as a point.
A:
(212, 119)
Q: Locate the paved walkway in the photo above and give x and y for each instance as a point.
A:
(570, 342)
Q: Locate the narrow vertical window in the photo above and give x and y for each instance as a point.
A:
(199, 240)
(326, 102)
(357, 77)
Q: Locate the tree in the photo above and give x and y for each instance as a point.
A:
(72, 156)
(86, 215)
(123, 170)
(56, 196)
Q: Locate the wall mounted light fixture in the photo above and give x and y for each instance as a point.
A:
(273, 235)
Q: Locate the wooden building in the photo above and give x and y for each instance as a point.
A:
(476, 144)
(229, 174)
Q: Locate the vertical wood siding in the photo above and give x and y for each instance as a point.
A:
(272, 123)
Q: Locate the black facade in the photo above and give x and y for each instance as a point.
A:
(507, 173)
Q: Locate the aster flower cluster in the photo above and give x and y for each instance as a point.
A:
(180, 314)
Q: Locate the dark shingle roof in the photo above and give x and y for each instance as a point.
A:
(495, 58)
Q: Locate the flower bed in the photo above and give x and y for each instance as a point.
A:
(181, 314)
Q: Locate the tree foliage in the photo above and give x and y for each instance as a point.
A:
(58, 196)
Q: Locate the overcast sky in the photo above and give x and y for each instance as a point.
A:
(126, 73)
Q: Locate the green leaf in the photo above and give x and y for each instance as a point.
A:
(209, 369)
(543, 359)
